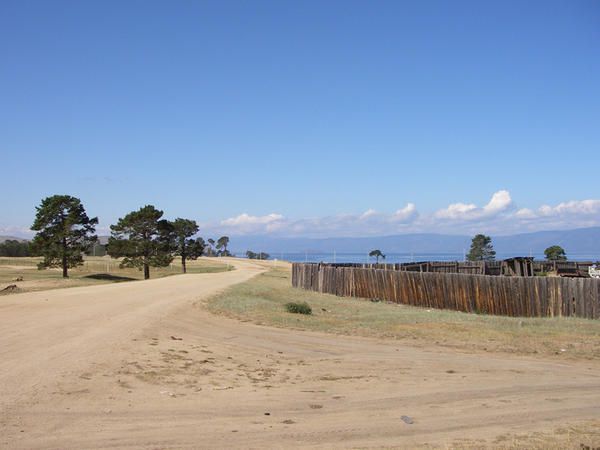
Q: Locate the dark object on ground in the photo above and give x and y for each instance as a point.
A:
(298, 308)
(267, 414)
(18, 279)
(407, 420)
(176, 338)
(10, 288)
(108, 277)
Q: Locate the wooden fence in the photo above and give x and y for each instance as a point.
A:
(506, 296)
(512, 266)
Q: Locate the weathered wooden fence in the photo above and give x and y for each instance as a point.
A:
(503, 267)
(506, 296)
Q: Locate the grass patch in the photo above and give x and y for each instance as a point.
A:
(95, 270)
(298, 308)
(263, 298)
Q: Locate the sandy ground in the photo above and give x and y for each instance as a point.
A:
(143, 365)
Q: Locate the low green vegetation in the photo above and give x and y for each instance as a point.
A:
(298, 308)
(263, 299)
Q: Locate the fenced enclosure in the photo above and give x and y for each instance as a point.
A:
(516, 296)
(523, 266)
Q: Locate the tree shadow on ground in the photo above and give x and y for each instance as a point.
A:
(109, 277)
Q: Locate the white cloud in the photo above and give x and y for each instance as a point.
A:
(500, 202)
(406, 214)
(456, 211)
(369, 222)
(525, 213)
(499, 216)
(246, 223)
(368, 213)
(246, 219)
(581, 207)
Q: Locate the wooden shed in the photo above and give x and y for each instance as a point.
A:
(521, 266)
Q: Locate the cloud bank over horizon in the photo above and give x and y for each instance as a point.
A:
(500, 216)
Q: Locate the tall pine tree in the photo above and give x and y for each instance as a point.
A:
(481, 249)
(143, 240)
(64, 232)
(186, 247)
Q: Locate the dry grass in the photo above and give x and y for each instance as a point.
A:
(582, 436)
(96, 270)
(262, 300)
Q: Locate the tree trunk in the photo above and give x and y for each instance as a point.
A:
(146, 271)
(183, 264)
(65, 269)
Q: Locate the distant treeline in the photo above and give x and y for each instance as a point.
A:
(261, 255)
(15, 248)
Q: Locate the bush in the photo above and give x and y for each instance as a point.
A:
(298, 308)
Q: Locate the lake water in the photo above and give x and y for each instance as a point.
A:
(404, 257)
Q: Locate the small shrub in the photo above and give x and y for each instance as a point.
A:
(298, 308)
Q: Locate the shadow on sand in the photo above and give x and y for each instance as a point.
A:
(109, 277)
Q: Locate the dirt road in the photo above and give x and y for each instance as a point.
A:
(143, 365)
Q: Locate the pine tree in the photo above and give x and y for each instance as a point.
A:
(186, 247)
(210, 250)
(377, 254)
(143, 240)
(555, 253)
(481, 249)
(64, 232)
(222, 244)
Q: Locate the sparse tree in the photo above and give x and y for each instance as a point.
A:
(143, 240)
(376, 254)
(261, 255)
(555, 253)
(222, 244)
(64, 232)
(210, 250)
(481, 249)
(185, 246)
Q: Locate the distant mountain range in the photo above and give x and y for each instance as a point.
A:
(578, 241)
(583, 240)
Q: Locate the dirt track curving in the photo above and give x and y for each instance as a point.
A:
(143, 365)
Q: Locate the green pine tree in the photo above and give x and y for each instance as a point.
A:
(481, 249)
(555, 253)
(186, 247)
(143, 240)
(64, 232)
(376, 254)
(222, 244)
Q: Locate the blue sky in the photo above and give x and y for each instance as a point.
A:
(305, 118)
